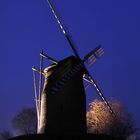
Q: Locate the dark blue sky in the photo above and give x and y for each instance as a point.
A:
(27, 26)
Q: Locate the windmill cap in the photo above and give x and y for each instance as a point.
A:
(49, 68)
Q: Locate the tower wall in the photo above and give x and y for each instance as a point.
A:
(63, 102)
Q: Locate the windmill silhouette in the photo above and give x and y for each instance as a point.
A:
(61, 105)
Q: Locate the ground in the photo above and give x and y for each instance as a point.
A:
(52, 137)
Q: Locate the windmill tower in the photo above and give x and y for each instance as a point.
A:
(61, 105)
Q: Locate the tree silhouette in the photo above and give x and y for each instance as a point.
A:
(5, 135)
(101, 121)
(25, 122)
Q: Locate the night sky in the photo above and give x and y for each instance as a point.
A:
(28, 26)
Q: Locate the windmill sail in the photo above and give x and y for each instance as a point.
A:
(62, 105)
(63, 29)
(92, 56)
(48, 57)
(90, 79)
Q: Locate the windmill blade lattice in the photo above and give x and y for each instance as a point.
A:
(90, 79)
(92, 56)
(63, 29)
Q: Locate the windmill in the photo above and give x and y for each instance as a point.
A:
(63, 89)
